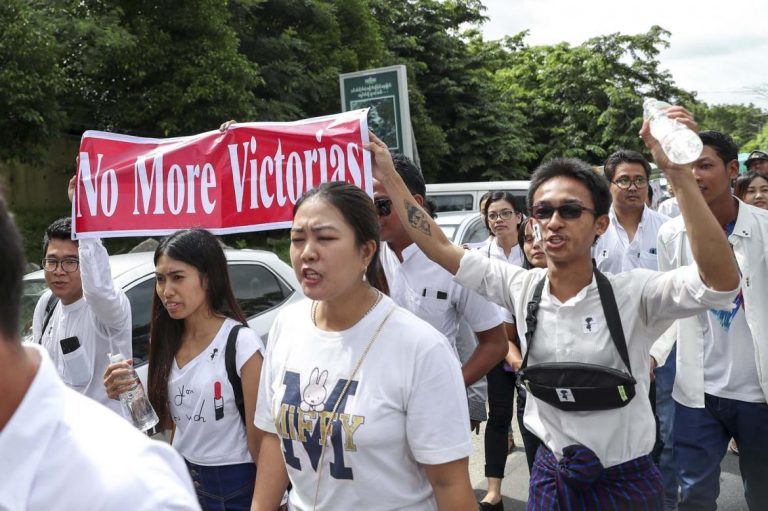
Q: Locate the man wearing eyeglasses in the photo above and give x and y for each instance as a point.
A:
(629, 243)
(630, 240)
(596, 458)
(84, 317)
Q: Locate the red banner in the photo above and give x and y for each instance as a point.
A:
(245, 179)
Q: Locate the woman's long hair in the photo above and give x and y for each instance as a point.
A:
(200, 249)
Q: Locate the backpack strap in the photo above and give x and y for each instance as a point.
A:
(230, 354)
(49, 308)
(610, 311)
(612, 317)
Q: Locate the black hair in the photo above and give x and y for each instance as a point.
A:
(521, 243)
(60, 229)
(575, 169)
(358, 211)
(723, 145)
(411, 174)
(744, 180)
(484, 198)
(11, 272)
(625, 156)
(497, 196)
(200, 249)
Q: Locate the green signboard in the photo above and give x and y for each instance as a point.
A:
(385, 92)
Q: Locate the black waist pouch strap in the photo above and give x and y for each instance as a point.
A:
(575, 386)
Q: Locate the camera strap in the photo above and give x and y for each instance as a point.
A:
(610, 310)
(50, 306)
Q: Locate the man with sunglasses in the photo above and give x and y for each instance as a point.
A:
(630, 240)
(427, 290)
(83, 317)
(596, 459)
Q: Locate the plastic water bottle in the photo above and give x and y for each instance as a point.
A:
(680, 144)
(136, 401)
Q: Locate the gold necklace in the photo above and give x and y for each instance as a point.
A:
(379, 294)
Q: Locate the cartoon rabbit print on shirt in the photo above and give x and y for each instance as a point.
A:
(313, 395)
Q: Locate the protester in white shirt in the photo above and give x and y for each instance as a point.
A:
(629, 243)
(362, 403)
(59, 450)
(89, 308)
(503, 220)
(570, 204)
(630, 240)
(721, 387)
(193, 313)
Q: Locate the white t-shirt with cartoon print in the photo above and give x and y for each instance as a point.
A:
(209, 430)
(405, 407)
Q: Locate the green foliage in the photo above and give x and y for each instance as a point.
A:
(154, 68)
(742, 122)
(30, 80)
(480, 109)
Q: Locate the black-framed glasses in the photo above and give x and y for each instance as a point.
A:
(567, 211)
(68, 265)
(504, 214)
(625, 182)
(383, 206)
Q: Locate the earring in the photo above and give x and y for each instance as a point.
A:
(365, 276)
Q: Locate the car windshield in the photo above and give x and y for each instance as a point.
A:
(30, 295)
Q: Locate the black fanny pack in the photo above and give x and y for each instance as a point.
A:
(575, 386)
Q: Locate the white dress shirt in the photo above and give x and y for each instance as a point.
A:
(669, 208)
(491, 248)
(101, 320)
(750, 246)
(62, 451)
(429, 291)
(615, 253)
(576, 331)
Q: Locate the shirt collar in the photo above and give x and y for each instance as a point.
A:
(615, 221)
(574, 299)
(27, 436)
(744, 221)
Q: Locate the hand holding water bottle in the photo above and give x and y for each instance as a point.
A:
(675, 130)
(683, 119)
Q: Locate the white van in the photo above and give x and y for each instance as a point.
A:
(466, 196)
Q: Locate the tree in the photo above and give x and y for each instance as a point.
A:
(31, 80)
(149, 68)
(741, 122)
(586, 101)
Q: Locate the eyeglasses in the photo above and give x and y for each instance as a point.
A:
(504, 214)
(624, 182)
(68, 265)
(567, 211)
(383, 206)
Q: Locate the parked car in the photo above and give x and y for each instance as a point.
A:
(463, 227)
(261, 282)
(466, 196)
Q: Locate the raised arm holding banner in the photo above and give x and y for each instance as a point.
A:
(244, 179)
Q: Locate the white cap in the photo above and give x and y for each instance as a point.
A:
(117, 357)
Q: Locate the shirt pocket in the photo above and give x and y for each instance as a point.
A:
(431, 308)
(648, 260)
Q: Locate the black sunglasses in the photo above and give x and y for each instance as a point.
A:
(567, 211)
(383, 206)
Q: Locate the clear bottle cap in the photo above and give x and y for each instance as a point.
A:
(117, 357)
